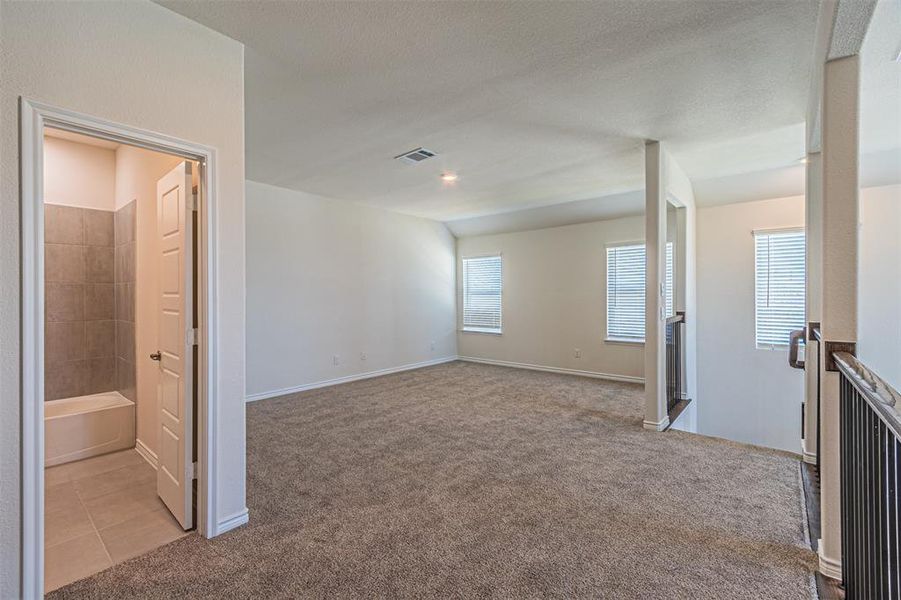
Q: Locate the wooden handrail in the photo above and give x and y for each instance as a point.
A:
(883, 398)
(870, 481)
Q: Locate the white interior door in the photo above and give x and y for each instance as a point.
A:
(174, 482)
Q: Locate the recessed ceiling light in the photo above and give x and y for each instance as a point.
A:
(449, 177)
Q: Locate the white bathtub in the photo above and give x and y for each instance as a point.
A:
(76, 428)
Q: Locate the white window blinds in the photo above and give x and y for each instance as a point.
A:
(670, 309)
(625, 292)
(779, 285)
(626, 268)
(482, 284)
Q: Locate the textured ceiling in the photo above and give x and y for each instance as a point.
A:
(880, 82)
(532, 103)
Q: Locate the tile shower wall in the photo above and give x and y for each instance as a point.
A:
(125, 275)
(79, 320)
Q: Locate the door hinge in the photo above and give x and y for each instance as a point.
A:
(192, 201)
(193, 470)
(192, 336)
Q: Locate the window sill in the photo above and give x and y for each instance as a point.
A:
(782, 347)
(624, 341)
(481, 330)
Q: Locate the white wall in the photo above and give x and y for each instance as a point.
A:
(554, 298)
(327, 277)
(744, 394)
(140, 64)
(79, 175)
(879, 282)
(137, 172)
(751, 395)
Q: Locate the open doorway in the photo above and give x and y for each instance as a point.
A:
(681, 413)
(119, 353)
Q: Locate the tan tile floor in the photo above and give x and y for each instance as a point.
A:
(99, 512)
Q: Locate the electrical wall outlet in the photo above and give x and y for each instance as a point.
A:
(362, 356)
(577, 353)
(433, 345)
(336, 360)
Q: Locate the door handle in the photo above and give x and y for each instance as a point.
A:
(794, 343)
(156, 356)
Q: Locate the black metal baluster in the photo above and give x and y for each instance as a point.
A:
(844, 485)
(860, 526)
(891, 525)
(868, 504)
(870, 476)
(860, 574)
(854, 533)
(895, 507)
(882, 534)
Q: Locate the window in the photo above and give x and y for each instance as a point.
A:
(482, 285)
(779, 285)
(670, 310)
(625, 292)
(626, 269)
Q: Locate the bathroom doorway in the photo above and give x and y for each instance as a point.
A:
(120, 406)
(118, 400)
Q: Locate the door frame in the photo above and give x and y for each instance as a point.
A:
(34, 117)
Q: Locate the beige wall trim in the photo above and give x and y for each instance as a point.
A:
(347, 379)
(656, 425)
(147, 454)
(547, 369)
(829, 567)
(233, 522)
(809, 457)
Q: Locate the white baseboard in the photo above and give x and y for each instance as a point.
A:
(517, 365)
(147, 454)
(830, 567)
(656, 425)
(809, 457)
(236, 520)
(347, 379)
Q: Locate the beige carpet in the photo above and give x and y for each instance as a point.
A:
(466, 480)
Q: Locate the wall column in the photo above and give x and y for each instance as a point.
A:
(655, 416)
(840, 118)
(813, 299)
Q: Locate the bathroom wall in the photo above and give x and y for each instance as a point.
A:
(90, 272)
(137, 173)
(125, 269)
(115, 185)
(78, 174)
(79, 318)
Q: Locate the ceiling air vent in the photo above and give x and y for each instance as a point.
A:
(415, 156)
